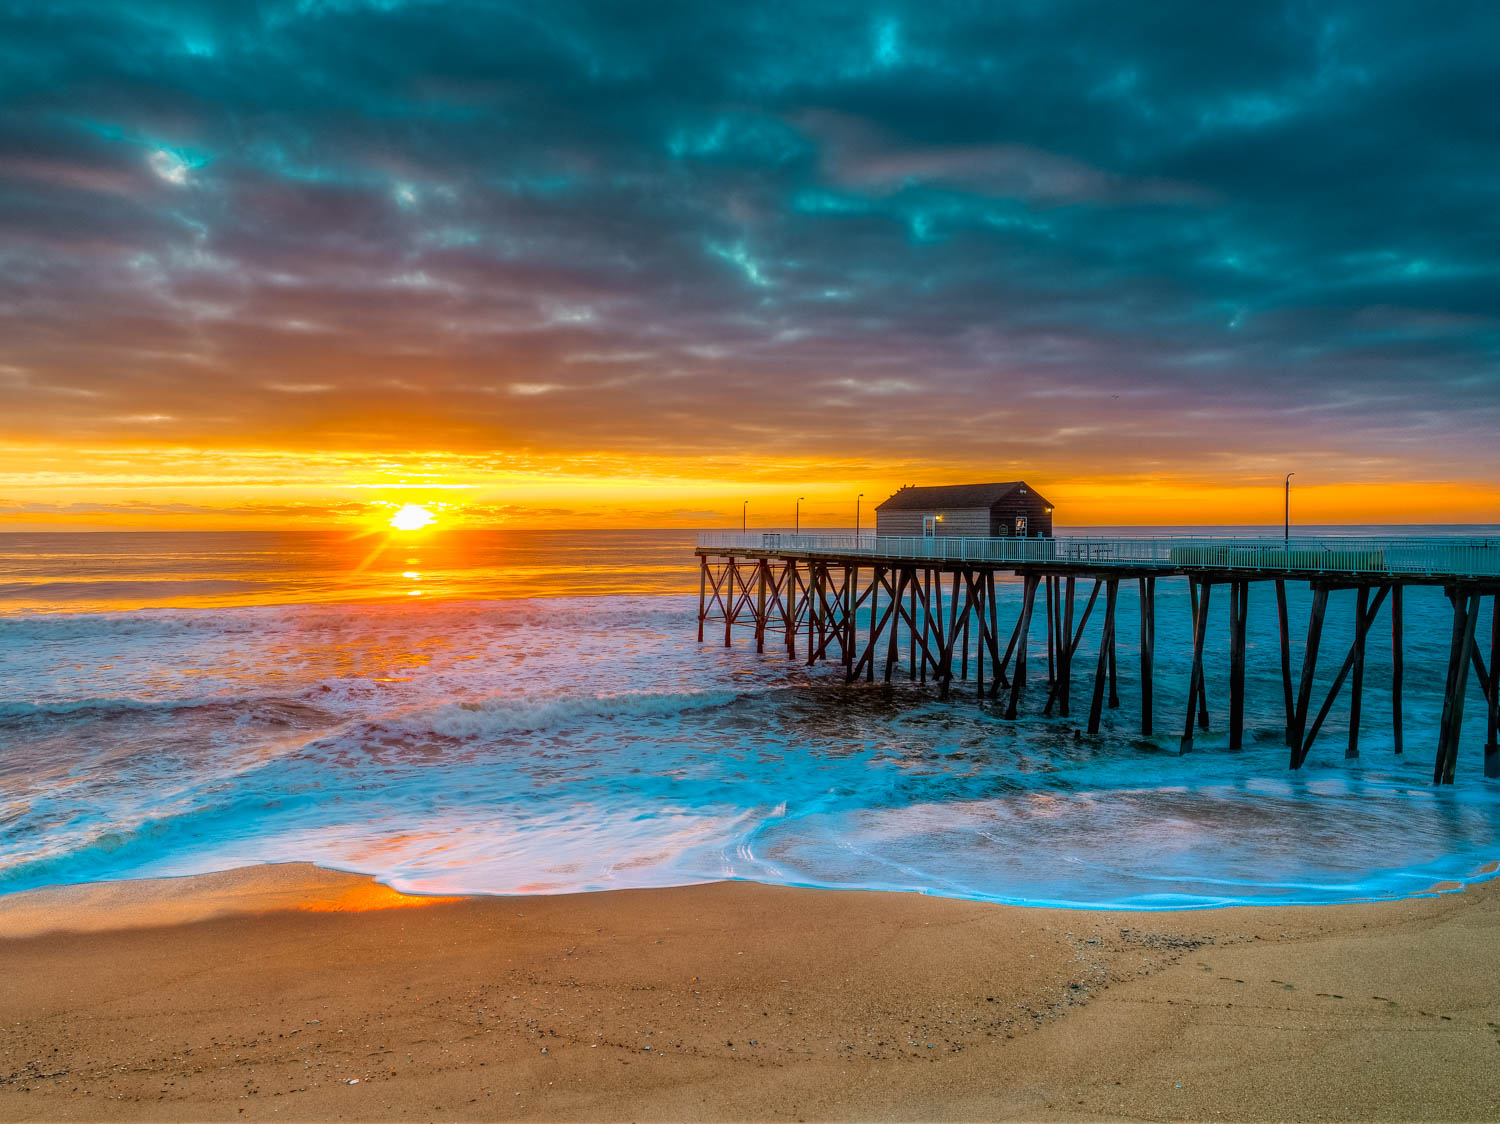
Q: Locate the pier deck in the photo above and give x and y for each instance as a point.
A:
(818, 585)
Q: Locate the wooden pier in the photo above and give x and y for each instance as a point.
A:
(936, 599)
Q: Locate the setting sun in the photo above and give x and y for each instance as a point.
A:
(412, 518)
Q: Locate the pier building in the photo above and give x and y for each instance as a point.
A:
(1012, 509)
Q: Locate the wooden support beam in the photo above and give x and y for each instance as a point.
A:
(1457, 656)
(776, 606)
(975, 579)
(715, 593)
(1052, 616)
(1148, 646)
(1492, 741)
(866, 661)
(795, 580)
(1023, 626)
(1239, 597)
(814, 609)
(760, 605)
(1077, 638)
(1309, 668)
(939, 632)
(1201, 697)
(911, 617)
(1357, 682)
(1465, 618)
(958, 613)
(1286, 659)
(789, 607)
(999, 678)
(834, 599)
(1065, 692)
(963, 672)
(1479, 669)
(1195, 682)
(820, 603)
(947, 636)
(926, 625)
(1397, 665)
(919, 629)
(732, 577)
(851, 607)
(702, 595)
(816, 571)
(1006, 675)
(1367, 615)
(894, 654)
(1114, 679)
(1106, 645)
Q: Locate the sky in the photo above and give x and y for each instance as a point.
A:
(562, 264)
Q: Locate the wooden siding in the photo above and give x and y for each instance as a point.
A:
(970, 523)
(1031, 505)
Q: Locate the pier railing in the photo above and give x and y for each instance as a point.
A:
(1417, 556)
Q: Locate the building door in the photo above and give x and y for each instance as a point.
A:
(929, 526)
(1020, 526)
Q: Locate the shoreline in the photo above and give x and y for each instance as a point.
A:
(299, 993)
(310, 886)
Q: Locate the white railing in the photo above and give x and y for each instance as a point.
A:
(1422, 556)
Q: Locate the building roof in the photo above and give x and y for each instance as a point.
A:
(951, 497)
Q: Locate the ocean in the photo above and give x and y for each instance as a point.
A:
(518, 712)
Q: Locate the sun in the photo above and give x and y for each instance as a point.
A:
(412, 517)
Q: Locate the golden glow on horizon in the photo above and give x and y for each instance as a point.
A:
(412, 517)
(53, 487)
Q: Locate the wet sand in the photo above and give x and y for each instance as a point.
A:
(294, 993)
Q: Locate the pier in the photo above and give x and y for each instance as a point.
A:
(933, 599)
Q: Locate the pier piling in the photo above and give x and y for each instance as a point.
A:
(1148, 649)
(1398, 669)
(1239, 596)
(1199, 603)
(947, 603)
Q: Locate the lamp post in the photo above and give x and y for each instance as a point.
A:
(744, 516)
(1286, 526)
(856, 517)
(798, 524)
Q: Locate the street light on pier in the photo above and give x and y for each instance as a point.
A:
(1286, 526)
(744, 517)
(856, 517)
(798, 524)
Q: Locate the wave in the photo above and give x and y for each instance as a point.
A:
(504, 714)
(515, 746)
(561, 612)
(273, 708)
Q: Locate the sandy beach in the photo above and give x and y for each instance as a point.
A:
(296, 993)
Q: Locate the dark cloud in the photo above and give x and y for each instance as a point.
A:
(1181, 238)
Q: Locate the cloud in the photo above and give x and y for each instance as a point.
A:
(1191, 235)
(169, 166)
(858, 155)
